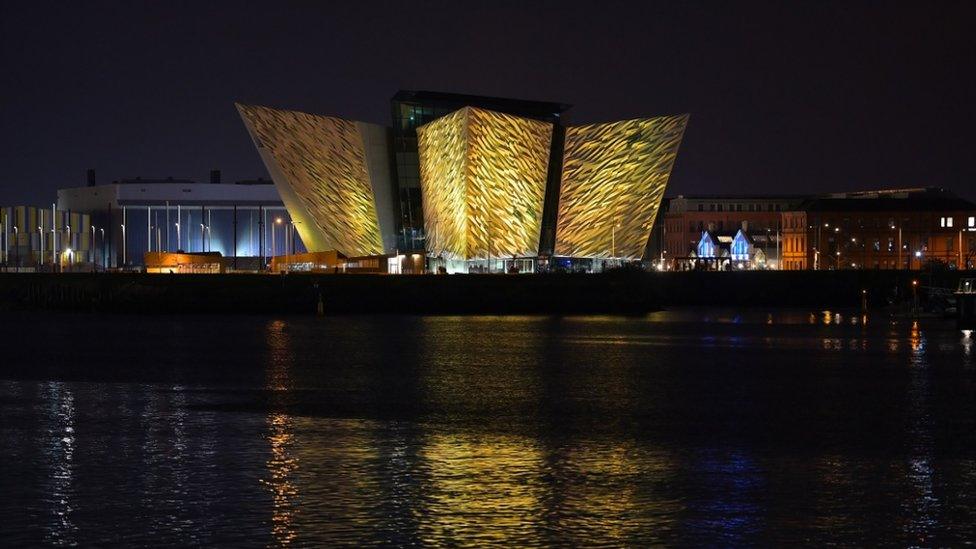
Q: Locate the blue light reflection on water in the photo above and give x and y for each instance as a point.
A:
(696, 427)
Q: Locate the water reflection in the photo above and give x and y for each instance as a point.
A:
(544, 431)
(921, 504)
(482, 489)
(59, 445)
(282, 463)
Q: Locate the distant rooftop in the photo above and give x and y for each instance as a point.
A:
(183, 181)
(740, 197)
(140, 180)
(890, 200)
(540, 108)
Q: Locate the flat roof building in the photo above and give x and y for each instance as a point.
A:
(140, 215)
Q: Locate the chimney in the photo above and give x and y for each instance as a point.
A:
(91, 177)
(215, 177)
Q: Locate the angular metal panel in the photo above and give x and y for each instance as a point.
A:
(319, 165)
(483, 183)
(613, 180)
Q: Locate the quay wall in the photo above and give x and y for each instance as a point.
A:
(623, 292)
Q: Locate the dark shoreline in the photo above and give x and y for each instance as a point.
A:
(624, 292)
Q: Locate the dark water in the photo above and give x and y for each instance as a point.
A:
(684, 427)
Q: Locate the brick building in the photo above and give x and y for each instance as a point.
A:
(887, 229)
(883, 229)
(688, 217)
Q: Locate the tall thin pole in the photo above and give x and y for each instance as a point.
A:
(899, 246)
(148, 228)
(167, 225)
(779, 255)
(209, 237)
(107, 247)
(123, 237)
(54, 235)
(235, 237)
(40, 236)
(203, 219)
(179, 223)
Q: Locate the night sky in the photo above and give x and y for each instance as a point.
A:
(785, 97)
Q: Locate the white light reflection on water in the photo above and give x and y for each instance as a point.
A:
(522, 432)
(967, 347)
(59, 453)
(921, 505)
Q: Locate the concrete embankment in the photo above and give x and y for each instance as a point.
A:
(611, 293)
(341, 294)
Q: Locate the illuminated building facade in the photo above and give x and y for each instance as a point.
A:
(483, 178)
(488, 185)
(137, 215)
(413, 109)
(333, 176)
(44, 239)
(477, 183)
(613, 181)
(759, 217)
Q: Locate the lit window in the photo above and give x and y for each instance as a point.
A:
(972, 221)
(948, 222)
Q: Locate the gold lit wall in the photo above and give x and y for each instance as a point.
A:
(319, 165)
(614, 175)
(483, 183)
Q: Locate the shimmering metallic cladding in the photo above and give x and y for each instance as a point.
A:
(323, 170)
(614, 174)
(483, 183)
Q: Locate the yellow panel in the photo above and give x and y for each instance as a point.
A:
(483, 183)
(613, 180)
(318, 164)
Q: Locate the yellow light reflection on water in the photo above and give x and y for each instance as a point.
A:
(282, 463)
(483, 489)
(281, 466)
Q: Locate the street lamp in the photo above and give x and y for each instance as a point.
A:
(179, 241)
(892, 226)
(104, 255)
(16, 246)
(274, 247)
(123, 243)
(40, 237)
